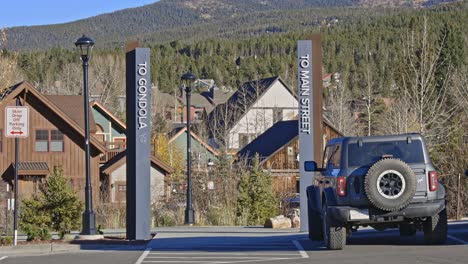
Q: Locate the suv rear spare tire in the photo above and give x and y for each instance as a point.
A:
(390, 184)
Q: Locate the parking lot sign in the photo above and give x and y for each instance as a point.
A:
(16, 121)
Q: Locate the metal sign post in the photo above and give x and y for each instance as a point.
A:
(138, 144)
(310, 114)
(16, 126)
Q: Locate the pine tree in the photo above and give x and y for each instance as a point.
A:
(56, 207)
(243, 200)
(61, 203)
(261, 195)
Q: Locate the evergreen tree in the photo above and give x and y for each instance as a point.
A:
(452, 53)
(61, 203)
(243, 200)
(263, 202)
(56, 207)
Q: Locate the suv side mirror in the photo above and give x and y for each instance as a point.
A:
(311, 166)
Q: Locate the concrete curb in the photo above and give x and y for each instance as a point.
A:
(55, 248)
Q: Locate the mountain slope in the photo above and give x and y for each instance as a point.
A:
(169, 20)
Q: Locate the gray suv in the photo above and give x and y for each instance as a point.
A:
(382, 182)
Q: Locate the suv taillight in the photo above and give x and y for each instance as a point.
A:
(341, 186)
(433, 181)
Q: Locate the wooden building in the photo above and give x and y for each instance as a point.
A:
(56, 138)
(110, 131)
(114, 175)
(278, 150)
(250, 111)
(202, 152)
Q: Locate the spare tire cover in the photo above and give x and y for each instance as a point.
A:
(390, 184)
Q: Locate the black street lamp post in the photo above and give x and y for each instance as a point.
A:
(188, 79)
(86, 44)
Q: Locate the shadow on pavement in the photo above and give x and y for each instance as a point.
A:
(268, 241)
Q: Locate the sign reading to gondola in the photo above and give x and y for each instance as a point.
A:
(16, 121)
(138, 203)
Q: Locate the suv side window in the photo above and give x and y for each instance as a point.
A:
(326, 155)
(335, 159)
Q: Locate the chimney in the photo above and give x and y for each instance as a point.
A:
(121, 100)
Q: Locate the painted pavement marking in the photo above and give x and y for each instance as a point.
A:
(226, 253)
(463, 242)
(300, 249)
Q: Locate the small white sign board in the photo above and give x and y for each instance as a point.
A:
(16, 121)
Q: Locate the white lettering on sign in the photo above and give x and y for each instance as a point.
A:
(304, 90)
(17, 121)
(142, 96)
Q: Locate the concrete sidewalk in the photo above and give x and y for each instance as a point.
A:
(53, 248)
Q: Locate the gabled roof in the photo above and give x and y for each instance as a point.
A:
(272, 140)
(32, 168)
(113, 118)
(181, 130)
(237, 106)
(217, 95)
(14, 91)
(72, 105)
(197, 100)
(120, 159)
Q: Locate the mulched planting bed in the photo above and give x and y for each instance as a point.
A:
(108, 240)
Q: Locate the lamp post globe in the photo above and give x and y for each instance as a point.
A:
(188, 79)
(85, 44)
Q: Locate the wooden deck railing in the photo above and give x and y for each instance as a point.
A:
(113, 149)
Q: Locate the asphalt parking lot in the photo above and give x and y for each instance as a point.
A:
(224, 246)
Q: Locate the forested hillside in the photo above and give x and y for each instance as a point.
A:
(399, 70)
(192, 20)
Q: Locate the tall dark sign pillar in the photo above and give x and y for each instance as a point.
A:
(309, 60)
(138, 143)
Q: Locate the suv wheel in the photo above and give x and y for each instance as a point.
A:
(315, 225)
(435, 228)
(390, 184)
(334, 237)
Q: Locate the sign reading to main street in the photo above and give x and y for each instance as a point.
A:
(309, 80)
(16, 121)
(306, 131)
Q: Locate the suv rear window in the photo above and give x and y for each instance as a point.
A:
(371, 152)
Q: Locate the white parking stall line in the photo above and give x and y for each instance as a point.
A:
(250, 261)
(226, 254)
(463, 242)
(217, 257)
(300, 249)
(143, 256)
(4, 257)
(219, 262)
(219, 253)
(145, 253)
(241, 247)
(179, 261)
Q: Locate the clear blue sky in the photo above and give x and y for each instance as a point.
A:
(41, 12)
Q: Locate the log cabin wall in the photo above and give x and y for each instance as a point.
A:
(72, 159)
